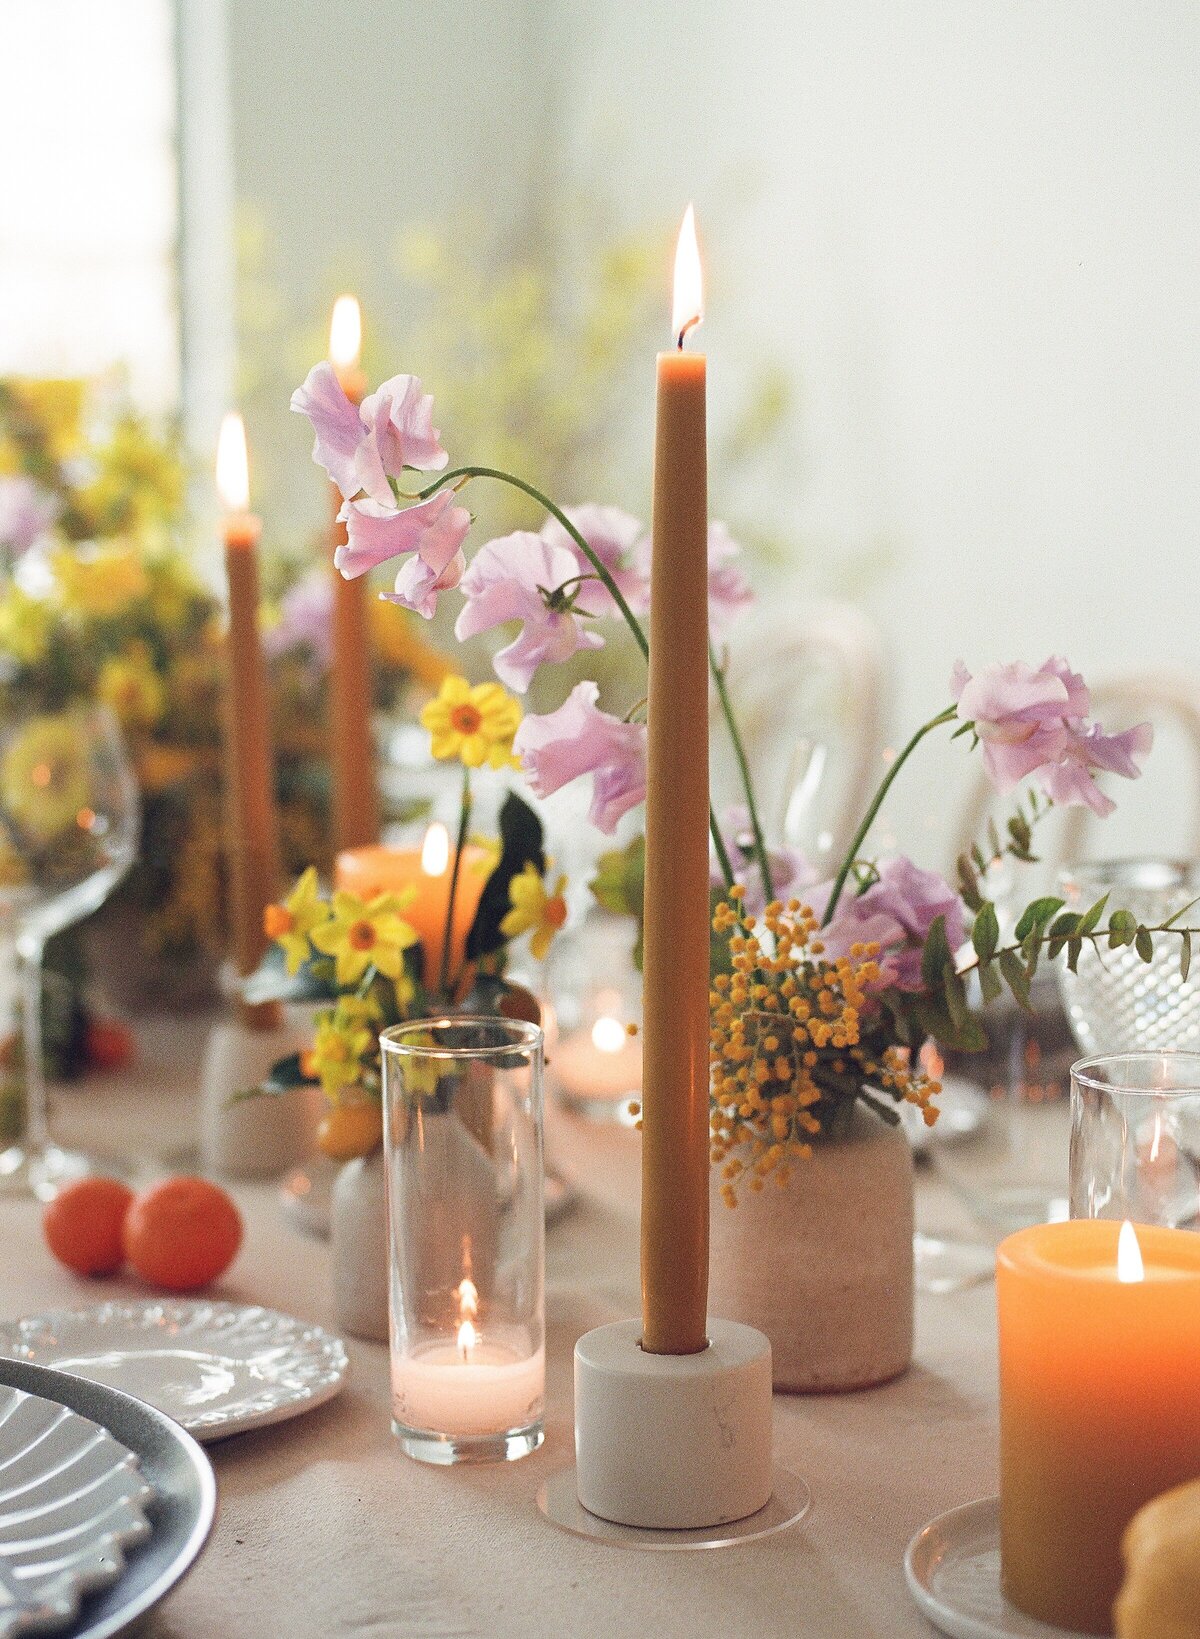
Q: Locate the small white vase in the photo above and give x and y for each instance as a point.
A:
(359, 1239)
(254, 1137)
(824, 1266)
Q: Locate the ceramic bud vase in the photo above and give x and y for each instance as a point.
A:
(358, 1237)
(255, 1137)
(824, 1266)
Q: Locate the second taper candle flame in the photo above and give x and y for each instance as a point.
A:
(688, 307)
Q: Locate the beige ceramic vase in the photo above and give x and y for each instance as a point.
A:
(824, 1266)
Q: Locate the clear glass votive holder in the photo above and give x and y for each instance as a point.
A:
(1135, 1138)
(463, 1152)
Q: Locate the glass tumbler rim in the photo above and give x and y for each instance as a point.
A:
(1082, 1073)
(1121, 871)
(519, 1033)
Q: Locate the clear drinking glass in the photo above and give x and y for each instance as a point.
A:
(1116, 1002)
(463, 1152)
(1135, 1138)
(69, 822)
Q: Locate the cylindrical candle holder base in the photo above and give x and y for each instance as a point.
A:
(673, 1442)
(427, 1446)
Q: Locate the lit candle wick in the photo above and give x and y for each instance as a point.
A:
(688, 306)
(1130, 1267)
(468, 1298)
(608, 1035)
(467, 1339)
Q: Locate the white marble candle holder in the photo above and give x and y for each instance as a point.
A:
(673, 1442)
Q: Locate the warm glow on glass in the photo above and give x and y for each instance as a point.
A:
(435, 850)
(1129, 1255)
(608, 1035)
(233, 466)
(345, 333)
(688, 308)
(468, 1297)
(467, 1339)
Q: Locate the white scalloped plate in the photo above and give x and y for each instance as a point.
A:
(952, 1567)
(72, 1499)
(216, 1368)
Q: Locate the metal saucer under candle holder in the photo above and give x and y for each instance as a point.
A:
(673, 1451)
(462, 1100)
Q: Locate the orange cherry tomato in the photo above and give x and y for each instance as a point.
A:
(82, 1225)
(182, 1233)
(351, 1130)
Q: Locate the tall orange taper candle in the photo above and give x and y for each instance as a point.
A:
(355, 797)
(675, 1139)
(252, 843)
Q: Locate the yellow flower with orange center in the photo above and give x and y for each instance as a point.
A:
(473, 722)
(290, 924)
(361, 934)
(535, 910)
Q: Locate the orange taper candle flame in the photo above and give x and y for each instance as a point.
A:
(345, 334)
(233, 465)
(687, 309)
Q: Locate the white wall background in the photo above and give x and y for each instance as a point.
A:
(971, 227)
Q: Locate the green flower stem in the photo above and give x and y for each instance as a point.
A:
(868, 820)
(461, 474)
(739, 751)
(464, 820)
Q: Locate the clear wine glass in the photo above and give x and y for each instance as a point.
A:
(69, 821)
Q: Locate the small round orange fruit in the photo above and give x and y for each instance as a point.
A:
(350, 1130)
(182, 1233)
(82, 1225)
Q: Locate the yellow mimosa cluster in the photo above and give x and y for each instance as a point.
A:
(793, 1043)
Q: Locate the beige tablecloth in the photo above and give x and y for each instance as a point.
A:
(325, 1528)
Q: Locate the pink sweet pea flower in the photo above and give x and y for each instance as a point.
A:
(434, 530)
(896, 912)
(305, 620)
(791, 872)
(729, 591)
(361, 446)
(27, 513)
(417, 584)
(619, 540)
(579, 739)
(516, 578)
(1034, 725)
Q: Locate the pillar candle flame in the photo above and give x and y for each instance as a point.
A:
(233, 466)
(435, 850)
(1130, 1267)
(345, 333)
(688, 307)
(467, 1338)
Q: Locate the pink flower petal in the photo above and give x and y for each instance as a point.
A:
(578, 739)
(398, 423)
(507, 581)
(335, 421)
(435, 528)
(619, 540)
(417, 584)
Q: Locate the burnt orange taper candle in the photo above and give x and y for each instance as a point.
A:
(352, 748)
(252, 843)
(675, 1139)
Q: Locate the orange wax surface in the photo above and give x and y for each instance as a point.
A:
(376, 869)
(675, 1140)
(1099, 1406)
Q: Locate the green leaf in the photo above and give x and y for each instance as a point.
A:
(1074, 952)
(985, 932)
(1185, 955)
(1144, 944)
(1122, 927)
(1037, 915)
(286, 1074)
(1063, 927)
(968, 883)
(520, 844)
(968, 1032)
(1018, 980)
(936, 954)
(1091, 917)
(990, 983)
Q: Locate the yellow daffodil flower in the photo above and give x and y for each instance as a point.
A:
(101, 581)
(25, 626)
(344, 1037)
(475, 723)
(131, 686)
(534, 910)
(360, 935)
(44, 781)
(290, 924)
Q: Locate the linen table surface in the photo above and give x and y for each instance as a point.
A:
(325, 1528)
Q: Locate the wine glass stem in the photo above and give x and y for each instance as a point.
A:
(37, 1131)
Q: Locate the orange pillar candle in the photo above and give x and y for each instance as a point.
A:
(351, 691)
(252, 843)
(675, 1139)
(374, 869)
(1099, 1403)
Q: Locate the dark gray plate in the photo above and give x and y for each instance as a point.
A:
(185, 1490)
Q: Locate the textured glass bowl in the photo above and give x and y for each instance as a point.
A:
(1116, 1003)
